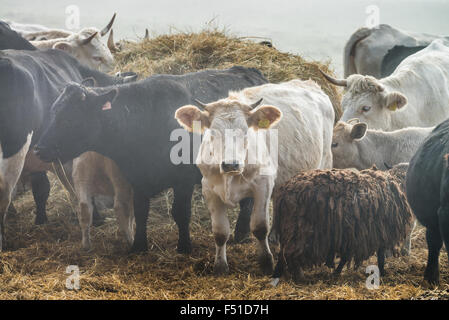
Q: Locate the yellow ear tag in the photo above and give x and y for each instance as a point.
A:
(264, 123)
(393, 107)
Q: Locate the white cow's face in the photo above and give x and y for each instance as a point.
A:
(226, 142)
(345, 149)
(367, 100)
(94, 54)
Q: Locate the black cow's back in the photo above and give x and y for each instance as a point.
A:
(9, 39)
(424, 175)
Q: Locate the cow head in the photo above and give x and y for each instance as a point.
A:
(367, 99)
(344, 144)
(75, 122)
(88, 48)
(225, 145)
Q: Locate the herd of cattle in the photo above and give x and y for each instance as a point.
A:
(347, 190)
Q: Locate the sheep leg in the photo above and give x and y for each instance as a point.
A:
(381, 261)
(340, 266)
(407, 246)
(220, 229)
(259, 223)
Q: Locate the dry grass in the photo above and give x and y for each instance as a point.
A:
(34, 262)
(212, 49)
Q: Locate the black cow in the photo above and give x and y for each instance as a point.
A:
(395, 56)
(427, 188)
(132, 125)
(9, 39)
(30, 81)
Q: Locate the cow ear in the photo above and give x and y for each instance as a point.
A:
(64, 46)
(264, 117)
(188, 115)
(358, 131)
(89, 82)
(394, 101)
(104, 101)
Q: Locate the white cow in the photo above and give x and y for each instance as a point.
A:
(85, 46)
(367, 47)
(251, 167)
(416, 94)
(356, 146)
(38, 32)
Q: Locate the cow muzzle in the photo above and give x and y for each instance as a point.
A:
(231, 167)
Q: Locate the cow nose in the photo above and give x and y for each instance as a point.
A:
(230, 166)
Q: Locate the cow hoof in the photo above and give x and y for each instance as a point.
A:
(266, 264)
(221, 269)
(40, 220)
(184, 247)
(139, 248)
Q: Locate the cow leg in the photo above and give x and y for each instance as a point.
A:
(41, 190)
(181, 212)
(259, 225)
(220, 229)
(10, 169)
(141, 207)
(85, 213)
(443, 220)
(407, 246)
(242, 228)
(434, 244)
(97, 219)
(124, 212)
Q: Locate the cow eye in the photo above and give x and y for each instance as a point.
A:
(334, 145)
(366, 108)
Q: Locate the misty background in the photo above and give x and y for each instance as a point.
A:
(317, 29)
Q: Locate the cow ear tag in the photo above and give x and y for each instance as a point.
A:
(106, 106)
(393, 107)
(264, 123)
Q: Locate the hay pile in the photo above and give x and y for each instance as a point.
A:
(188, 52)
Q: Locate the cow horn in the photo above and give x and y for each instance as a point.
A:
(111, 44)
(147, 34)
(256, 104)
(88, 40)
(337, 82)
(199, 103)
(108, 27)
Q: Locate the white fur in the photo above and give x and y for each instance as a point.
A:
(87, 53)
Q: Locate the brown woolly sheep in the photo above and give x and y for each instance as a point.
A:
(322, 214)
